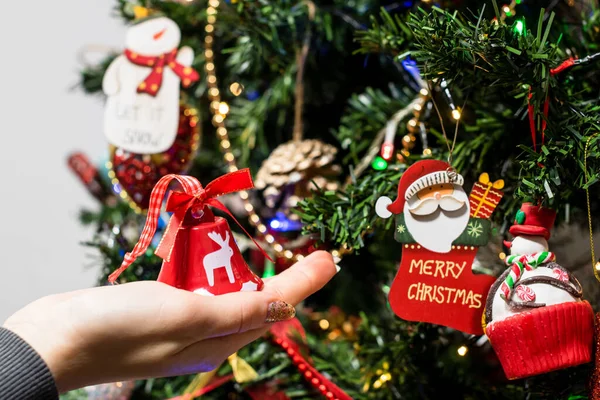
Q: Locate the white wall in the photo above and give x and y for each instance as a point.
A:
(41, 121)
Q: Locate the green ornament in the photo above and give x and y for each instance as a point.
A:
(520, 217)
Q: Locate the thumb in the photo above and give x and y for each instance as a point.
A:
(244, 311)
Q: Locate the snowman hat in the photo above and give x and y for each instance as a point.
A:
(533, 221)
(418, 176)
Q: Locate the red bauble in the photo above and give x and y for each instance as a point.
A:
(137, 174)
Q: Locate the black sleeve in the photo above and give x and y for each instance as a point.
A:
(23, 373)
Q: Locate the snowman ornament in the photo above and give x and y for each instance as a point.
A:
(533, 279)
(142, 87)
(535, 316)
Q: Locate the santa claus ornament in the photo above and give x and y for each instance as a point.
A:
(535, 316)
(441, 228)
(198, 249)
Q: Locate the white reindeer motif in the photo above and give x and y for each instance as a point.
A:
(218, 259)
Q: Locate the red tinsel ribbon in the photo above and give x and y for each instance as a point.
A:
(153, 81)
(531, 111)
(193, 196)
(283, 333)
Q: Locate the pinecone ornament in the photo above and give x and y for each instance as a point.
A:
(292, 170)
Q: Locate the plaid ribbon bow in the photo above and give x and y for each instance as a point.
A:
(153, 81)
(194, 197)
(519, 264)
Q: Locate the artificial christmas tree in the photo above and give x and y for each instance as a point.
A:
(510, 89)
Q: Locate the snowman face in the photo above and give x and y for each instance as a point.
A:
(153, 37)
(525, 244)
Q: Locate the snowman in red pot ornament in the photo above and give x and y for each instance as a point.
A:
(537, 298)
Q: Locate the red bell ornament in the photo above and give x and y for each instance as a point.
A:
(199, 252)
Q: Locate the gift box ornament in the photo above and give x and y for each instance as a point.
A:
(485, 196)
(199, 252)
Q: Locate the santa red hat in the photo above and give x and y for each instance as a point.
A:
(534, 221)
(419, 176)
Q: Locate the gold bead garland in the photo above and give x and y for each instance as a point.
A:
(416, 125)
(220, 110)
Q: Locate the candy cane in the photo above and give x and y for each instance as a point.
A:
(519, 263)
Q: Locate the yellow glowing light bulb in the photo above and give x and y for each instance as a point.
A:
(223, 108)
(236, 88)
(324, 324)
(462, 351)
(456, 114)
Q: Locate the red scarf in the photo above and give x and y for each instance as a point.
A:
(153, 82)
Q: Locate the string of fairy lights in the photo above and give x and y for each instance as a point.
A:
(219, 110)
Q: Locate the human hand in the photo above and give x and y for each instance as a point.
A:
(149, 329)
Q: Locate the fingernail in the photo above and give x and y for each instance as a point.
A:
(337, 260)
(280, 311)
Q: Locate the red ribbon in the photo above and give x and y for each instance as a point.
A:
(195, 197)
(531, 112)
(153, 81)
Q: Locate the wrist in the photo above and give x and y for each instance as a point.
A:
(23, 372)
(52, 346)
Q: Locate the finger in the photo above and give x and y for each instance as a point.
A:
(303, 278)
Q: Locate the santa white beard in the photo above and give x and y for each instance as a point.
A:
(437, 231)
